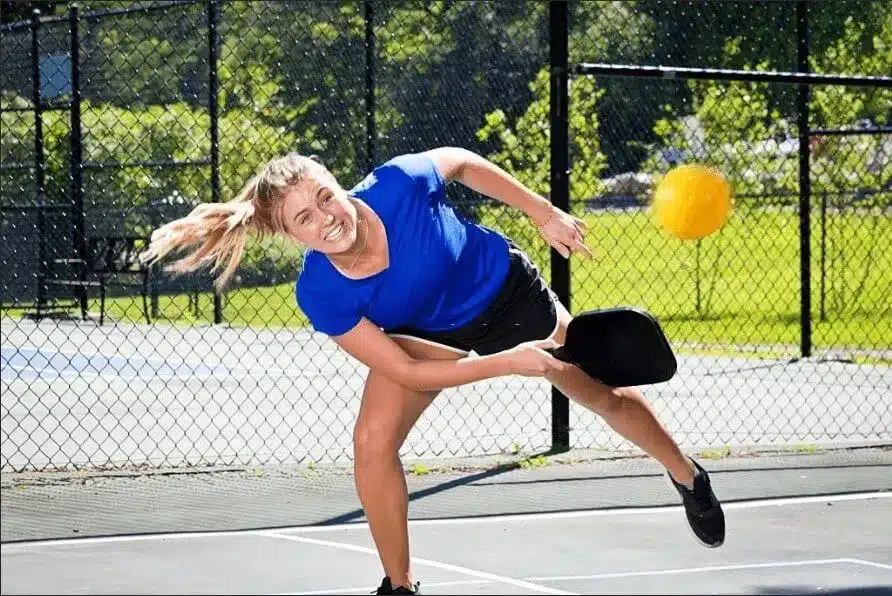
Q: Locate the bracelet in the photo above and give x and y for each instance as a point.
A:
(550, 217)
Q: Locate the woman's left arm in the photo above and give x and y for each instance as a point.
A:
(561, 230)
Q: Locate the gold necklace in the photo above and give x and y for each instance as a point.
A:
(365, 240)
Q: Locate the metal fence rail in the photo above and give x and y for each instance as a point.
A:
(117, 120)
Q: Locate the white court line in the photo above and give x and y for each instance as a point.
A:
(561, 515)
(869, 563)
(518, 583)
(625, 574)
(683, 570)
(522, 517)
(65, 375)
(222, 375)
(364, 589)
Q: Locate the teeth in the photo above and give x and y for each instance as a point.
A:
(335, 233)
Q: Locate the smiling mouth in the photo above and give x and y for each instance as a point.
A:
(335, 234)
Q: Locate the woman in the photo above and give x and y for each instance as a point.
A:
(426, 300)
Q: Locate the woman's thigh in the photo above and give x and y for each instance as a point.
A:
(389, 410)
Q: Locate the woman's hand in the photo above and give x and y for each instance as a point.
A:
(531, 360)
(564, 233)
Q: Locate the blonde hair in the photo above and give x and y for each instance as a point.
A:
(220, 230)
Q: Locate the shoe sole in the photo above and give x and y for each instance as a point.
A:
(687, 523)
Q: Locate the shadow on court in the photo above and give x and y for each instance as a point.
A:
(496, 471)
(797, 524)
(74, 505)
(511, 475)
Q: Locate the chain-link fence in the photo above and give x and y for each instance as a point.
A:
(117, 117)
(797, 271)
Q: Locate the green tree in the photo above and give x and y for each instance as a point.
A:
(525, 145)
(621, 33)
(735, 127)
(524, 151)
(444, 66)
(742, 127)
(856, 162)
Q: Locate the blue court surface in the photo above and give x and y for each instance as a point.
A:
(809, 545)
(30, 364)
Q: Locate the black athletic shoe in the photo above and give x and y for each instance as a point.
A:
(387, 588)
(704, 512)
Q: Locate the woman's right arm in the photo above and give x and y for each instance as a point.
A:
(370, 345)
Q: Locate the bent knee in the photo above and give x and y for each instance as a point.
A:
(614, 399)
(374, 439)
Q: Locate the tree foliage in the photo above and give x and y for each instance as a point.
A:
(744, 129)
(292, 78)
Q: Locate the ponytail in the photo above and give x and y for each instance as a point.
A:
(219, 230)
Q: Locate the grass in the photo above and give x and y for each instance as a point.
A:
(742, 285)
(720, 453)
(738, 287)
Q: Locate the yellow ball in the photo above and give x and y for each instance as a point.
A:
(692, 201)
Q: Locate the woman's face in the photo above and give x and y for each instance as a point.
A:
(317, 213)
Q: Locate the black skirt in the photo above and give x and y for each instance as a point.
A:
(523, 310)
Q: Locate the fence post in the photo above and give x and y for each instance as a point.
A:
(213, 109)
(802, 43)
(76, 166)
(560, 188)
(371, 131)
(39, 165)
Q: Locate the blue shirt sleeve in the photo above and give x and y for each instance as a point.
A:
(327, 315)
(415, 173)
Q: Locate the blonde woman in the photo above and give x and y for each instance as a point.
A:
(427, 300)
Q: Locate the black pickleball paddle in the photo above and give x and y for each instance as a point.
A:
(620, 347)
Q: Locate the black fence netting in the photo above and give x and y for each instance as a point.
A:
(120, 116)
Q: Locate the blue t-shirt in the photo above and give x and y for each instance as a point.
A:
(444, 270)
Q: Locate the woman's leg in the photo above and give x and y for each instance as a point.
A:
(626, 411)
(387, 414)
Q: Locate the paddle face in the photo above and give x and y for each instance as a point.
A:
(620, 347)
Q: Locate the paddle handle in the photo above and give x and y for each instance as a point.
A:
(560, 353)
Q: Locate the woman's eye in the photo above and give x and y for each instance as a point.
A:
(326, 199)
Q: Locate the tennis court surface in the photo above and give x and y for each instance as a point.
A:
(573, 524)
(201, 506)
